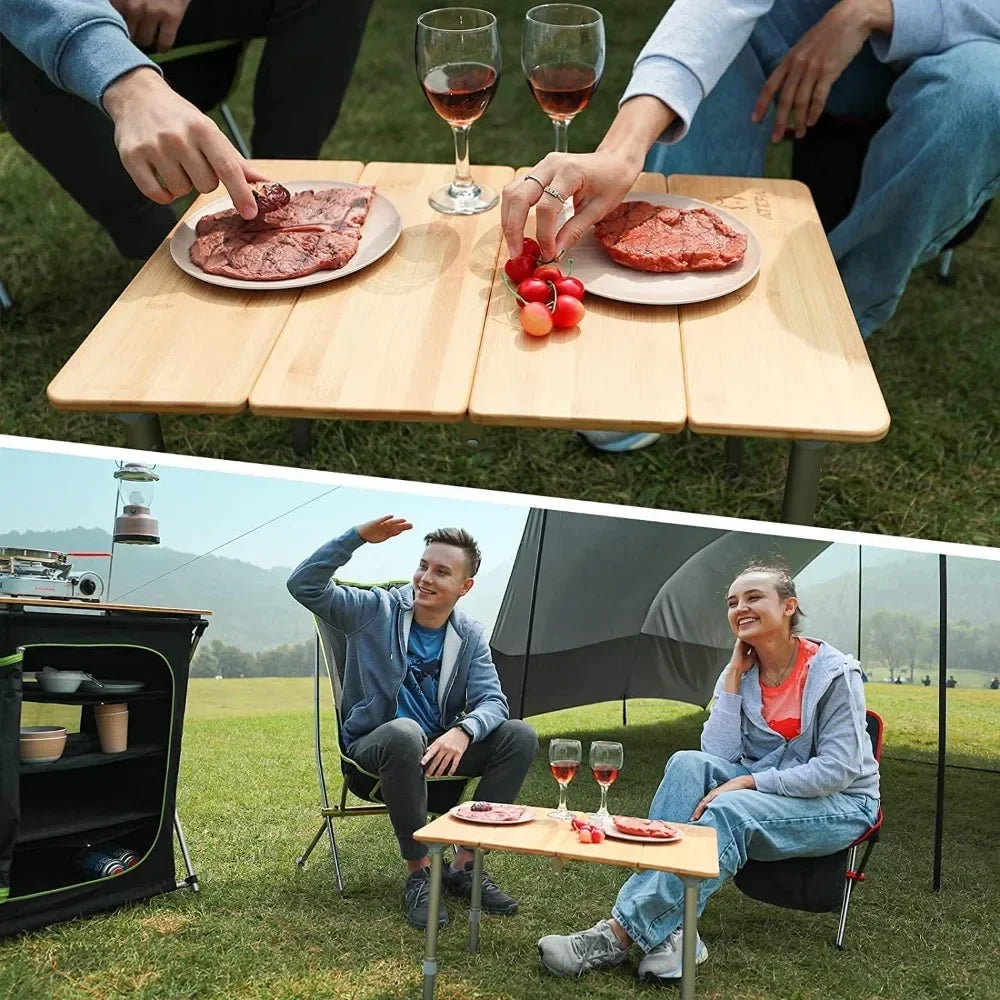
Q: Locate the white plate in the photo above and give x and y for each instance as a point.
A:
(378, 236)
(527, 817)
(612, 831)
(611, 280)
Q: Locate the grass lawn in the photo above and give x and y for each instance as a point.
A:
(937, 475)
(263, 930)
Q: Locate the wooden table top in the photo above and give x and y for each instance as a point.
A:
(695, 854)
(621, 369)
(398, 340)
(58, 605)
(782, 356)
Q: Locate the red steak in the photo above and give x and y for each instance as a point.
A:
(635, 827)
(660, 238)
(315, 231)
(493, 813)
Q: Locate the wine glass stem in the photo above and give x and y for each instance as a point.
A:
(562, 796)
(562, 135)
(604, 800)
(463, 176)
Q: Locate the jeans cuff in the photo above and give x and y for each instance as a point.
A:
(642, 940)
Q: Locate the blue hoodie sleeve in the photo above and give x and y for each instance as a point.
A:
(486, 705)
(82, 45)
(345, 608)
(722, 734)
(926, 27)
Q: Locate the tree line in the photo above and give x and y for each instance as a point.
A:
(219, 659)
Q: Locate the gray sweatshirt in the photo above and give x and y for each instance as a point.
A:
(832, 753)
(697, 40)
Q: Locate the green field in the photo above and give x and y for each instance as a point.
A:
(937, 475)
(263, 930)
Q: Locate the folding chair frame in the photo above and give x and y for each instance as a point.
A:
(329, 812)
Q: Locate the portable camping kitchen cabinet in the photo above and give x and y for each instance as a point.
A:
(50, 813)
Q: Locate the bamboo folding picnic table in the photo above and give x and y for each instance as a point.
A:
(430, 333)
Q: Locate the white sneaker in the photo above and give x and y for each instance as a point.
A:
(575, 954)
(663, 963)
(616, 441)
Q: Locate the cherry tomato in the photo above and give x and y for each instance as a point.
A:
(534, 290)
(568, 312)
(519, 268)
(570, 286)
(548, 272)
(536, 320)
(586, 837)
(597, 835)
(529, 248)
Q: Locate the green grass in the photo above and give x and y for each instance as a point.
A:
(262, 930)
(937, 475)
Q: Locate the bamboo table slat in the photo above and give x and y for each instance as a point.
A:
(398, 340)
(783, 356)
(695, 855)
(621, 369)
(173, 344)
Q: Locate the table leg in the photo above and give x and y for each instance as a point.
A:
(476, 907)
(302, 437)
(805, 462)
(142, 431)
(430, 953)
(688, 951)
(732, 468)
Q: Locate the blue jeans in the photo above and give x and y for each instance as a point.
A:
(928, 170)
(749, 824)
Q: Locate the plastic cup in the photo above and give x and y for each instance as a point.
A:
(112, 727)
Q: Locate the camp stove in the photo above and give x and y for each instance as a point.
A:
(46, 573)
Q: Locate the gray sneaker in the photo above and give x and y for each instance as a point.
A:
(417, 899)
(575, 954)
(663, 963)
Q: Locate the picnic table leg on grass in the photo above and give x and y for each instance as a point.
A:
(476, 907)
(732, 468)
(143, 431)
(805, 463)
(434, 904)
(688, 960)
(301, 437)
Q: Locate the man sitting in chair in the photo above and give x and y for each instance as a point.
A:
(421, 694)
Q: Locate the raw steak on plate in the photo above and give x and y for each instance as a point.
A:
(655, 829)
(648, 237)
(490, 812)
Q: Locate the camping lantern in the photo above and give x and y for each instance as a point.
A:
(135, 525)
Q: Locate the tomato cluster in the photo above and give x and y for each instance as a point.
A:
(588, 832)
(548, 297)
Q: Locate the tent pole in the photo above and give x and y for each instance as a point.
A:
(531, 612)
(860, 560)
(942, 714)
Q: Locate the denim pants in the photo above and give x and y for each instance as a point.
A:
(928, 170)
(749, 824)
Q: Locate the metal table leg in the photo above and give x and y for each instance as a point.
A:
(430, 953)
(733, 466)
(688, 951)
(805, 463)
(142, 431)
(476, 909)
(301, 437)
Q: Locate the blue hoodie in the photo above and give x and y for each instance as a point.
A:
(82, 45)
(832, 753)
(697, 40)
(377, 625)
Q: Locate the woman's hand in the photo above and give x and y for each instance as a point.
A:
(740, 662)
(745, 781)
(816, 61)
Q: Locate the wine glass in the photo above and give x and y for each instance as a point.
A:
(564, 761)
(606, 761)
(458, 60)
(562, 54)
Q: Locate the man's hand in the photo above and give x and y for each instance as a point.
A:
(169, 147)
(733, 785)
(152, 24)
(445, 752)
(382, 528)
(816, 61)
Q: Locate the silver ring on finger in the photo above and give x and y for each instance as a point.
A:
(555, 194)
(532, 177)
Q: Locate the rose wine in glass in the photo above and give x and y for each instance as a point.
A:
(564, 762)
(458, 59)
(606, 761)
(562, 54)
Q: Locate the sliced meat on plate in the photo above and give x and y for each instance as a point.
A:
(654, 828)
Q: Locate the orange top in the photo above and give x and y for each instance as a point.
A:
(782, 705)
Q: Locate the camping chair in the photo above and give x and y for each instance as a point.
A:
(817, 885)
(442, 792)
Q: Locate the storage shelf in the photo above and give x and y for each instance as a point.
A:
(86, 819)
(34, 694)
(95, 759)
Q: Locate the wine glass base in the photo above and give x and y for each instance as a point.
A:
(451, 200)
(560, 814)
(600, 817)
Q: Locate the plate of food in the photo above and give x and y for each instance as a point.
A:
(666, 249)
(643, 831)
(305, 233)
(493, 813)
